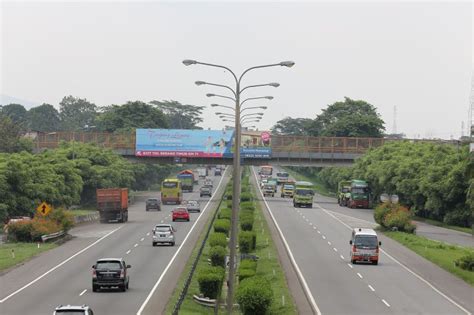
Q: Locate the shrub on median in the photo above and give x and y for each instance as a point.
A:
(222, 226)
(210, 281)
(246, 221)
(217, 254)
(246, 273)
(466, 262)
(247, 241)
(225, 213)
(245, 197)
(218, 239)
(254, 295)
(247, 205)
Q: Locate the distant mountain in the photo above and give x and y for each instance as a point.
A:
(7, 99)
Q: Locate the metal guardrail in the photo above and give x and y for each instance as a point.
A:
(44, 238)
(184, 291)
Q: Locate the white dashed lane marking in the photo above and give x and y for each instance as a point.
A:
(371, 288)
(135, 245)
(360, 276)
(350, 266)
(141, 240)
(128, 251)
(385, 302)
(82, 293)
(342, 257)
(335, 249)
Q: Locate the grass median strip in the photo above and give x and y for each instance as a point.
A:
(439, 253)
(12, 254)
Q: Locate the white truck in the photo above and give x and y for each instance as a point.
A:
(202, 171)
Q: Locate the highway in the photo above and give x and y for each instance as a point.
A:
(64, 275)
(318, 241)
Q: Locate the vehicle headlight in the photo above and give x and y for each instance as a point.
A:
(171, 236)
(155, 237)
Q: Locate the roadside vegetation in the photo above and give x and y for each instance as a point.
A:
(454, 259)
(12, 254)
(318, 186)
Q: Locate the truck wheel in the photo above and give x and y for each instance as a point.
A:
(95, 288)
(153, 244)
(146, 209)
(375, 262)
(172, 243)
(311, 206)
(122, 288)
(126, 287)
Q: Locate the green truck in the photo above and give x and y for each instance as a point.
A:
(354, 194)
(303, 195)
(343, 192)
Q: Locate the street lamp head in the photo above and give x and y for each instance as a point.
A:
(214, 105)
(269, 97)
(210, 95)
(288, 64)
(199, 82)
(274, 84)
(188, 62)
(263, 107)
(218, 113)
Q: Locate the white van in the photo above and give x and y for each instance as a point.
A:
(365, 246)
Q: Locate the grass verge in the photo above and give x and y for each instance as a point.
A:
(79, 212)
(23, 252)
(439, 253)
(269, 266)
(318, 186)
(442, 224)
(189, 306)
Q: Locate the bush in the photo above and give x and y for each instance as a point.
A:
(466, 262)
(254, 295)
(229, 204)
(63, 218)
(246, 273)
(218, 239)
(248, 264)
(245, 197)
(400, 218)
(210, 281)
(43, 227)
(225, 213)
(217, 254)
(461, 217)
(246, 223)
(381, 211)
(228, 196)
(247, 205)
(247, 241)
(20, 231)
(222, 225)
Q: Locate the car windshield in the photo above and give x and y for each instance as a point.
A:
(369, 241)
(192, 203)
(162, 228)
(359, 190)
(71, 312)
(170, 184)
(304, 192)
(345, 189)
(109, 265)
(282, 174)
(152, 200)
(180, 210)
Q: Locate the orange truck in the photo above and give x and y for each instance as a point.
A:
(112, 204)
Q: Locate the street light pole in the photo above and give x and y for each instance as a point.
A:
(236, 164)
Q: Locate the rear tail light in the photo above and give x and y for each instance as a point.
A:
(354, 248)
(122, 274)
(377, 250)
(94, 274)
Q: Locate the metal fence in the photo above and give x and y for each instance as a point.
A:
(184, 291)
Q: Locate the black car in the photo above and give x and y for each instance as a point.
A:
(153, 203)
(110, 272)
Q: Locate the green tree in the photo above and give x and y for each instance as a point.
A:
(44, 118)
(130, 116)
(17, 113)
(10, 139)
(180, 116)
(75, 113)
(292, 126)
(350, 118)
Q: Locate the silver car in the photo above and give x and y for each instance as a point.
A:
(193, 206)
(163, 233)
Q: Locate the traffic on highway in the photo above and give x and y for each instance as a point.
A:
(123, 257)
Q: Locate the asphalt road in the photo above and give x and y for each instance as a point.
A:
(318, 240)
(64, 275)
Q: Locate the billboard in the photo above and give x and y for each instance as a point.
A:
(256, 144)
(183, 143)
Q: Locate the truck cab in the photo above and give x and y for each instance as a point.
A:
(303, 195)
(268, 190)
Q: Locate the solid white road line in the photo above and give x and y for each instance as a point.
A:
(292, 258)
(57, 266)
(142, 307)
(360, 276)
(128, 251)
(371, 288)
(402, 265)
(385, 302)
(82, 293)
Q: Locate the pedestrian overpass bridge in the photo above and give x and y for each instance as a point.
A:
(286, 150)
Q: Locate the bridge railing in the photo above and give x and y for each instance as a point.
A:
(278, 143)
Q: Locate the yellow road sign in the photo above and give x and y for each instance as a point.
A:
(43, 208)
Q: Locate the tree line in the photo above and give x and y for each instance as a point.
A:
(434, 180)
(67, 176)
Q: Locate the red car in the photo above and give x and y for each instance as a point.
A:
(180, 214)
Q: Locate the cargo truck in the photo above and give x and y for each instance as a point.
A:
(359, 195)
(186, 178)
(112, 204)
(303, 195)
(343, 192)
(202, 171)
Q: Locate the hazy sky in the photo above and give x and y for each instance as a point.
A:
(415, 56)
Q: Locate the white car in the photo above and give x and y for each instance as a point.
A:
(163, 233)
(71, 309)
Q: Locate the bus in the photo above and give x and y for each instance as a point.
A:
(171, 191)
(265, 171)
